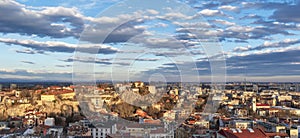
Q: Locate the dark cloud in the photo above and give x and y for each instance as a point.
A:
(48, 21)
(251, 16)
(37, 76)
(28, 62)
(275, 63)
(119, 30)
(136, 59)
(124, 32)
(89, 60)
(266, 5)
(63, 66)
(29, 51)
(53, 46)
(251, 32)
(62, 22)
(289, 13)
(268, 44)
(274, 25)
(265, 64)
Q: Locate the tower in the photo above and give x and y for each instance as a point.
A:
(254, 104)
(152, 89)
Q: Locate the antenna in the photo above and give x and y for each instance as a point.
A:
(244, 84)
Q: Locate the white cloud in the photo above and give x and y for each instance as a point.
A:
(229, 8)
(223, 22)
(154, 12)
(242, 49)
(240, 29)
(208, 12)
(54, 46)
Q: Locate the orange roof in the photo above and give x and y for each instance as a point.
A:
(55, 87)
(261, 104)
(277, 134)
(58, 92)
(152, 121)
(141, 113)
(258, 133)
(191, 122)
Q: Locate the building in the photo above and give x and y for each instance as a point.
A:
(241, 133)
(34, 118)
(161, 133)
(47, 97)
(271, 127)
(241, 124)
(202, 124)
(104, 130)
(152, 89)
(139, 84)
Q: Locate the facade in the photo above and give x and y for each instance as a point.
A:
(47, 97)
(103, 131)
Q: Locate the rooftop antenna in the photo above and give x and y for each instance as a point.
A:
(244, 84)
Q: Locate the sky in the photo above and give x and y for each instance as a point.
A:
(186, 40)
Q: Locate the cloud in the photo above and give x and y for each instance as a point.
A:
(251, 16)
(265, 5)
(208, 12)
(242, 49)
(269, 63)
(222, 22)
(275, 25)
(256, 66)
(29, 51)
(229, 8)
(63, 66)
(267, 44)
(136, 59)
(89, 60)
(251, 32)
(55, 22)
(113, 29)
(158, 42)
(28, 62)
(62, 22)
(287, 13)
(35, 75)
(55, 46)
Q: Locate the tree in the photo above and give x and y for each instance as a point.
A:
(154, 112)
(124, 109)
(25, 94)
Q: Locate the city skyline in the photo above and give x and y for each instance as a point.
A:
(260, 40)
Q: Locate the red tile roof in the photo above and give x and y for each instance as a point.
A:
(150, 121)
(277, 134)
(58, 92)
(261, 104)
(258, 133)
